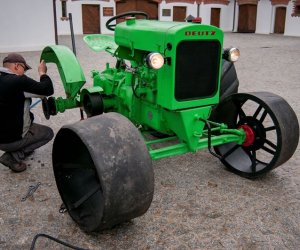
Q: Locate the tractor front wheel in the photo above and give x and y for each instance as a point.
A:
(271, 128)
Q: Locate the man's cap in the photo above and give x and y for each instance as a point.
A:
(16, 58)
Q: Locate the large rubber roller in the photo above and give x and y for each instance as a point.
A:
(103, 171)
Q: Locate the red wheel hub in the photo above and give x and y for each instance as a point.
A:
(250, 136)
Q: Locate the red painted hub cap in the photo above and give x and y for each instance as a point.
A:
(250, 136)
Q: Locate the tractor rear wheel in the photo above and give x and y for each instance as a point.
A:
(271, 128)
(229, 81)
(103, 171)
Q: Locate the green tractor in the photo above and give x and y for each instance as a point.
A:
(173, 90)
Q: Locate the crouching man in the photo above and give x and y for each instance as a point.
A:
(19, 135)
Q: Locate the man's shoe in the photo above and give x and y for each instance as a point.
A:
(28, 153)
(18, 167)
(4, 158)
(9, 161)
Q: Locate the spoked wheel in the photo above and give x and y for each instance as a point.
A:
(271, 128)
(103, 171)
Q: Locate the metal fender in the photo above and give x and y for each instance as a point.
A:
(68, 66)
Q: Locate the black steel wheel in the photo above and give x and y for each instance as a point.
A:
(271, 127)
(103, 171)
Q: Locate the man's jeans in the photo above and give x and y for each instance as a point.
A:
(37, 136)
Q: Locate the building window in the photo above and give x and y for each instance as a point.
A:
(108, 11)
(64, 12)
(296, 11)
(166, 12)
(296, 8)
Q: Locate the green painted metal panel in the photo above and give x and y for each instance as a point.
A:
(182, 148)
(166, 75)
(156, 36)
(152, 99)
(100, 42)
(146, 35)
(68, 66)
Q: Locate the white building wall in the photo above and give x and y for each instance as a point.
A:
(236, 15)
(226, 15)
(191, 9)
(265, 20)
(292, 24)
(264, 17)
(26, 25)
(75, 7)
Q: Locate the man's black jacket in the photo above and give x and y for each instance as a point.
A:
(12, 88)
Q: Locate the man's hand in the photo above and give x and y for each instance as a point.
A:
(42, 69)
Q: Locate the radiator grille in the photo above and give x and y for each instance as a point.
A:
(197, 69)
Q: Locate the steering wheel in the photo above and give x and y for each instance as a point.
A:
(125, 14)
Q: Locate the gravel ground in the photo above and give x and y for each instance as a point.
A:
(197, 204)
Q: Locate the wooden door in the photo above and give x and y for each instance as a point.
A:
(243, 18)
(215, 17)
(280, 20)
(148, 6)
(125, 6)
(179, 13)
(252, 18)
(247, 18)
(90, 19)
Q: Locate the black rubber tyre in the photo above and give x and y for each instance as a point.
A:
(273, 132)
(93, 104)
(229, 81)
(103, 171)
(49, 107)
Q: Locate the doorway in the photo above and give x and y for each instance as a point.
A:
(90, 19)
(179, 13)
(215, 14)
(280, 15)
(148, 6)
(247, 18)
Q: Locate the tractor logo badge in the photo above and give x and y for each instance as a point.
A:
(200, 33)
